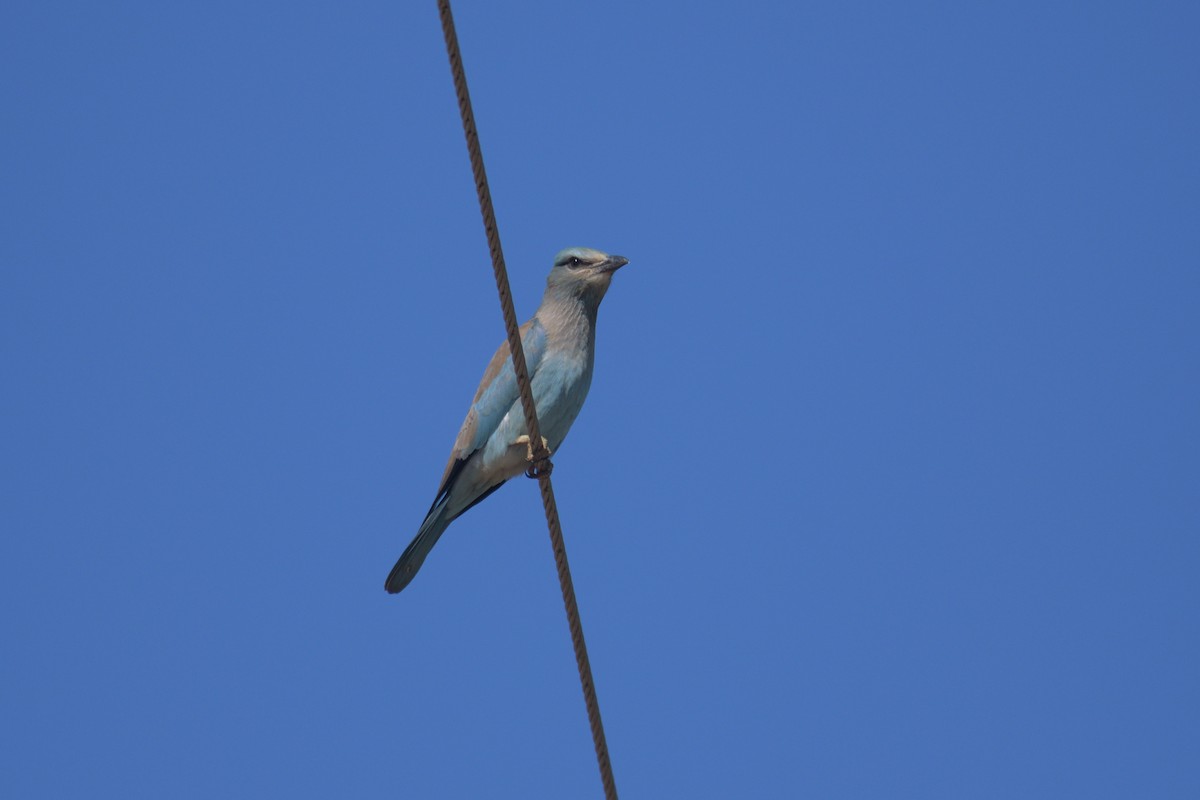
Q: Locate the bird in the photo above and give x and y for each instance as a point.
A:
(493, 443)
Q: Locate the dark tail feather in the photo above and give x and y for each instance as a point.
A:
(414, 555)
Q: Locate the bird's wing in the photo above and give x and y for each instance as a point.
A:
(495, 396)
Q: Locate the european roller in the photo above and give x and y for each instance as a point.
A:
(493, 444)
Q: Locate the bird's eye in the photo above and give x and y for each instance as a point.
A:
(575, 262)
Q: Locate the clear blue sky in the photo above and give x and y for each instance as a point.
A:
(889, 480)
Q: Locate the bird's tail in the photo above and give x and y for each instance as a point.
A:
(414, 555)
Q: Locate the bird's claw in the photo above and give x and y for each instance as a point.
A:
(538, 468)
(525, 440)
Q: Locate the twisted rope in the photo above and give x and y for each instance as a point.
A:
(539, 456)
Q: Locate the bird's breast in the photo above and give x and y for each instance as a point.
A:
(560, 387)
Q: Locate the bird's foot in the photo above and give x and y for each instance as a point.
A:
(538, 468)
(525, 440)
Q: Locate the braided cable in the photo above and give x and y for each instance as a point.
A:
(540, 467)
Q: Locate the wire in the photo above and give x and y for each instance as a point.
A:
(539, 455)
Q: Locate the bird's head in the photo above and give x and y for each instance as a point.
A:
(584, 272)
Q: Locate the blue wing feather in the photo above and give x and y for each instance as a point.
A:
(495, 400)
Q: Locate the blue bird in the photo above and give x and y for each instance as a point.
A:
(493, 444)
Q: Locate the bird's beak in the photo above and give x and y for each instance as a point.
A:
(613, 263)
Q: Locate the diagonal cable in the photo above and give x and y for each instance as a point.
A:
(540, 456)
